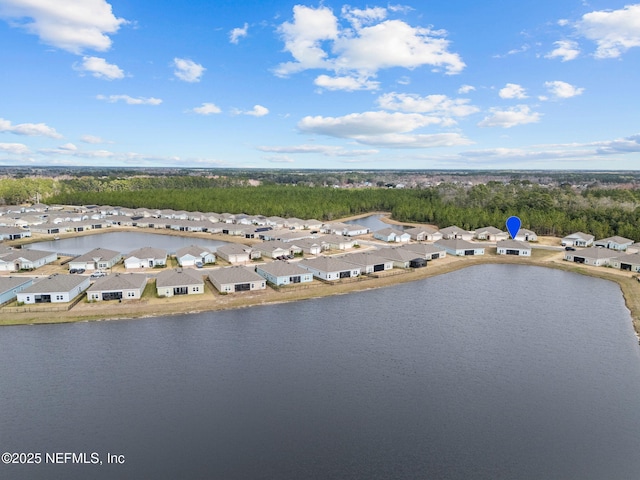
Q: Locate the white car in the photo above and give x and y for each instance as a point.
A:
(98, 274)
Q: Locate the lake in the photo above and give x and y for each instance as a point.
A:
(494, 371)
(123, 242)
(374, 223)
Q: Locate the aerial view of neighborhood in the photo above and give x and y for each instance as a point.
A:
(260, 258)
(319, 240)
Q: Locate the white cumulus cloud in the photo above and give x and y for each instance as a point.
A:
(92, 139)
(14, 148)
(561, 89)
(207, 109)
(348, 84)
(188, 70)
(614, 31)
(432, 104)
(100, 68)
(565, 50)
(360, 43)
(466, 89)
(72, 25)
(256, 111)
(519, 115)
(28, 129)
(237, 33)
(130, 100)
(513, 90)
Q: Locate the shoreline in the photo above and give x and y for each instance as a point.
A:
(212, 301)
(629, 287)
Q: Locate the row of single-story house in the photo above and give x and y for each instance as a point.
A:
(14, 260)
(603, 257)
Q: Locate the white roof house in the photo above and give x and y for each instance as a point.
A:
(146, 257)
(513, 247)
(96, 259)
(330, 268)
(391, 235)
(592, 256)
(118, 286)
(578, 239)
(614, 243)
(179, 282)
(57, 288)
(460, 247)
(284, 273)
(189, 256)
(236, 279)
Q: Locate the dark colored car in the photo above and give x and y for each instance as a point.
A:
(570, 249)
(73, 270)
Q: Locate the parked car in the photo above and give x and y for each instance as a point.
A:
(570, 249)
(98, 274)
(199, 264)
(73, 270)
(80, 270)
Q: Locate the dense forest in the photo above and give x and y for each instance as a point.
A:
(546, 210)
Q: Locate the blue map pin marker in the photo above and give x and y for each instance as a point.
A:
(513, 226)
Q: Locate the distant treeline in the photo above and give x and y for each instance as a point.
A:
(547, 211)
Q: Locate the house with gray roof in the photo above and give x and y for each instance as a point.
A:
(513, 247)
(578, 239)
(179, 281)
(146, 257)
(490, 234)
(96, 259)
(284, 273)
(25, 259)
(369, 262)
(629, 262)
(391, 235)
(234, 253)
(118, 286)
(455, 232)
(308, 246)
(330, 268)
(353, 230)
(614, 243)
(525, 235)
(192, 254)
(57, 288)
(11, 286)
(595, 256)
(336, 242)
(13, 233)
(274, 249)
(427, 251)
(460, 247)
(400, 256)
(236, 279)
(424, 234)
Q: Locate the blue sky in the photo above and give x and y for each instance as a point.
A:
(273, 84)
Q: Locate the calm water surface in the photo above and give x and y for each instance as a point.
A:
(492, 372)
(373, 223)
(123, 242)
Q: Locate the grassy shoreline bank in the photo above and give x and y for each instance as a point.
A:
(153, 307)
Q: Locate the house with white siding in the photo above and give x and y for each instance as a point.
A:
(337, 242)
(460, 247)
(308, 246)
(57, 288)
(13, 233)
(369, 262)
(236, 279)
(179, 281)
(629, 262)
(284, 273)
(400, 256)
(490, 234)
(424, 234)
(274, 249)
(330, 268)
(614, 243)
(595, 256)
(11, 286)
(96, 259)
(25, 259)
(193, 254)
(353, 230)
(118, 286)
(578, 239)
(454, 232)
(391, 235)
(525, 235)
(426, 250)
(146, 257)
(234, 253)
(513, 247)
